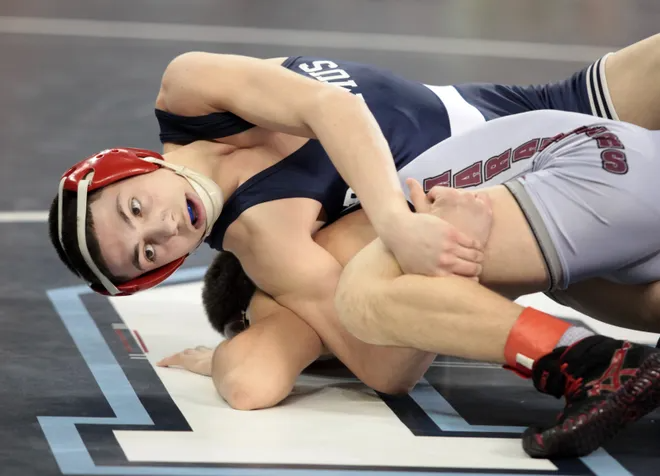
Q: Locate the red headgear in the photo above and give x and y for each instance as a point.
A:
(93, 173)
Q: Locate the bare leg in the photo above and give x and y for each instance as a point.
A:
(448, 315)
(633, 306)
(633, 79)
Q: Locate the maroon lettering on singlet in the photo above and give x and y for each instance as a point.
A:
(496, 165)
(469, 177)
(442, 180)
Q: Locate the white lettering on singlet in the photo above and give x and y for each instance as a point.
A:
(329, 72)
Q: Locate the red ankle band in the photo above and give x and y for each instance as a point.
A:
(533, 335)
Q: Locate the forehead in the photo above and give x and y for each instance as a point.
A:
(156, 183)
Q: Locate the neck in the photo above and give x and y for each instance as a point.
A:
(211, 159)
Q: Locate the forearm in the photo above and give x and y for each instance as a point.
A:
(356, 145)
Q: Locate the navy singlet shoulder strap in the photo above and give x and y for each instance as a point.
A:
(183, 129)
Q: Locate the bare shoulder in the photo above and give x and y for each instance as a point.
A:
(185, 84)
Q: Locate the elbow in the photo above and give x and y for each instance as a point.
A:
(183, 62)
(240, 398)
(179, 63)
(242, 392)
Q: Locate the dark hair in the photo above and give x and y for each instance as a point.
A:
(72, 257)
(226, 294)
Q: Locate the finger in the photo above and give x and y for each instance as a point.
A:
(171, 360)
(467, 269)
(466, 241)
(439, 192)
(417, 196)
(474, 255)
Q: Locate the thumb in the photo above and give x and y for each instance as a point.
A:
(418, 197)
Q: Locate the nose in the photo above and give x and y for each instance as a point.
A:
(162, 228)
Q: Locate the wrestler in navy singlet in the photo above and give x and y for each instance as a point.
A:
(412, 116)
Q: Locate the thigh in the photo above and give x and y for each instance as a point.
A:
(583, 199)
(594, 205)
(513, 262)
(633, 82)
(484, 158)
(632, 306)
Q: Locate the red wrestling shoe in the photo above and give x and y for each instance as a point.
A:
(607, 384)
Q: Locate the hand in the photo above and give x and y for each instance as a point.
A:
(197, 360)
(468, 211)
(424, 243)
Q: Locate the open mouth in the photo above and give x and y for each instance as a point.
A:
(195, 211)
(191, 212)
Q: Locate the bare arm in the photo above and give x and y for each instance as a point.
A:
(258, 367)
(277, 99)
(302, 276)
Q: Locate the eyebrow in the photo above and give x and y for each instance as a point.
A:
(136, 258)
(136, 251)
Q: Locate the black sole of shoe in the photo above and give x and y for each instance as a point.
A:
(639, 396)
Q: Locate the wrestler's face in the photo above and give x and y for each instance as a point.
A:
(147, 221)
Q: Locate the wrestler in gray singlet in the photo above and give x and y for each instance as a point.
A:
(587, 186)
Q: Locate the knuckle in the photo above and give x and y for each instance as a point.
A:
(446, 260)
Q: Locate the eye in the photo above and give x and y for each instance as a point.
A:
(136, 207)
(149, 253)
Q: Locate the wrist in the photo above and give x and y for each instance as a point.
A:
(387, 215)
(389, 222)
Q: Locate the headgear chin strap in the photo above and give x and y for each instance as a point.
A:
(113, 165)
